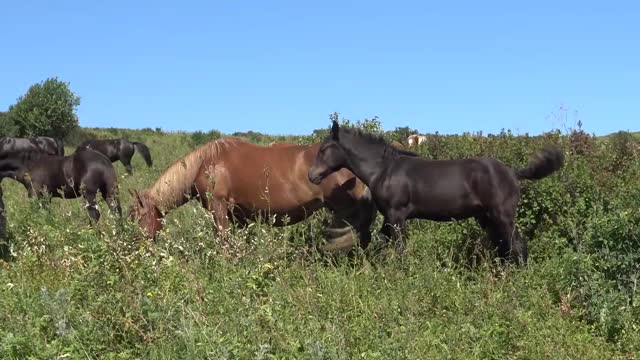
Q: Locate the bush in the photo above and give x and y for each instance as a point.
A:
(198, 138)
(47, 109)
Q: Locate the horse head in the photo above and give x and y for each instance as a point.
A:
(144, 210)
(330, 157)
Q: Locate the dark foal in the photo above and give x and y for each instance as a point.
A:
(119, 149)
(406, 186)
(84, 173)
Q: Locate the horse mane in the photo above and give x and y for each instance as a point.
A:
(389, 150)
(177, 180)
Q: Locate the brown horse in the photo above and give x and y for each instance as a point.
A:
(244, 181)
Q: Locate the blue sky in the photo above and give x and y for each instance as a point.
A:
(282, 66)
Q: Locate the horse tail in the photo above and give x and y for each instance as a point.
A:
(144, 151)
(543, 164)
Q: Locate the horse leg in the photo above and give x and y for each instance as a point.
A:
(127, 164)
(92, 207)
(401, 235)
(366, 215)
(394, 228)
(506, 238)
(110, 196)
(219, 210)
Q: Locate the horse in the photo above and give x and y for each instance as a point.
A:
(406, 186)
(119, 149)
(49, 145)
(245, 181)
(82, 173)
(415, 140)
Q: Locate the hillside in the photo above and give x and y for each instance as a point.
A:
(81, 292)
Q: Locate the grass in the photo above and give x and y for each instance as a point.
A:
(80, 292)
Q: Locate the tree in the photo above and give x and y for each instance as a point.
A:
(7, 127)
(47, 109)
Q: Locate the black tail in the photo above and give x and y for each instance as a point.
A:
(144, 151)
(543, 164)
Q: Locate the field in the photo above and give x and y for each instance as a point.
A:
(74, 291)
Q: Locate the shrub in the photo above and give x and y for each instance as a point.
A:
(47, 109)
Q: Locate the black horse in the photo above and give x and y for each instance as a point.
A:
(49, 145)
(406, 186)
(83, 173)
(119, 149)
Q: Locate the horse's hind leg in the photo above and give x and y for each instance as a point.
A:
(504, 235)
(110, 196)
(127, 164)
(92, 207)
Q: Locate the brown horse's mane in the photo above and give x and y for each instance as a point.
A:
(389, 150)
(178, 178)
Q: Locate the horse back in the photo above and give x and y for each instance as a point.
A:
(109, 148)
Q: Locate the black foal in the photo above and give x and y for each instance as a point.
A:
(405, 186)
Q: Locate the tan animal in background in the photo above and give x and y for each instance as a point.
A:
(414, 140)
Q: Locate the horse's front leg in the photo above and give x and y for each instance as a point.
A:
(394, 229)
(219, 211)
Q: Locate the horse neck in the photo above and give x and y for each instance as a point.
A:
(367, 161)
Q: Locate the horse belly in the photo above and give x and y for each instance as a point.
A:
(445, 202)
(286, 215)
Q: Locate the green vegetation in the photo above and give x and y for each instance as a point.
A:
(47, 109)
(104, 293)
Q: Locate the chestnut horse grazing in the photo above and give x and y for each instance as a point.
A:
(244, 181)
(407, 186)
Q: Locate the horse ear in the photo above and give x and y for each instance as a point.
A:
(335, 129)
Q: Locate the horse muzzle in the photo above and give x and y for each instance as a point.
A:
(315, 176)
